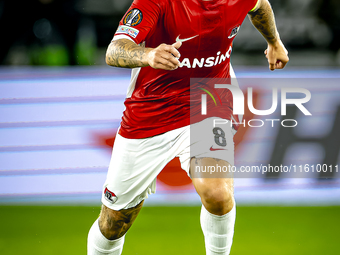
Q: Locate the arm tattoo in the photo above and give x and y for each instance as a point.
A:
(125, 53)
(264, 21)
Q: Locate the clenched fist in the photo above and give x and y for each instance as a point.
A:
(164, 56)
(277, 55)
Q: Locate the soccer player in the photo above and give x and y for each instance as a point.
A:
(167, 42)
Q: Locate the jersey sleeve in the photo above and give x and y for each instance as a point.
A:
(139, 20)
(254, 5)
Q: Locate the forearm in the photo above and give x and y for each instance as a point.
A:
(125, 53)
(264, 21)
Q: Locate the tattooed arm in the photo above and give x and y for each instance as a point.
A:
(263, 20)
(126, 53)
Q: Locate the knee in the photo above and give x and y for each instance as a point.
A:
(114, 224)
(218, 198)
(219, 203)
(110, 227)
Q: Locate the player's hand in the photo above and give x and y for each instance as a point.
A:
(165, 56)
(277, 55)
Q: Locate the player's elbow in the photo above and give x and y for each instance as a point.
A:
(112, 56)
(109, 56)
(107, 60)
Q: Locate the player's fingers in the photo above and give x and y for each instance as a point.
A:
(160, 59)
(170, 57)
(271, 60)
(177, 45)
(173, 50)
(168, 62)
(278, 65)
(282, 62)
(271, 64)
(161, 63)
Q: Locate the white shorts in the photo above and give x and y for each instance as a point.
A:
(135, 163)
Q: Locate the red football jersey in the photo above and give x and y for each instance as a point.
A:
(158, 100)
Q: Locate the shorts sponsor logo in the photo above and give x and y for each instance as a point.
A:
(110, 196)
(133, 18)
(128, 30)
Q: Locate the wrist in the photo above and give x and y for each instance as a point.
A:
(275, 42)
(145, 57)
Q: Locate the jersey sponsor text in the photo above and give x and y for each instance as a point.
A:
(206, 62)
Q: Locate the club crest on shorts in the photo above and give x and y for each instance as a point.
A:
(110, 196)
(133, 18)
(234, 32)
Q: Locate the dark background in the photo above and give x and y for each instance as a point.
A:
(77, 32)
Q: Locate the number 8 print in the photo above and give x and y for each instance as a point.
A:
(219, 137)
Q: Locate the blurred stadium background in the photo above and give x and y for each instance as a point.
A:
(60, 107)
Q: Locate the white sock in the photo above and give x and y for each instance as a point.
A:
(97, 244)
(218, 231)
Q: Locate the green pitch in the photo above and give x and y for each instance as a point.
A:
(172, 230)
